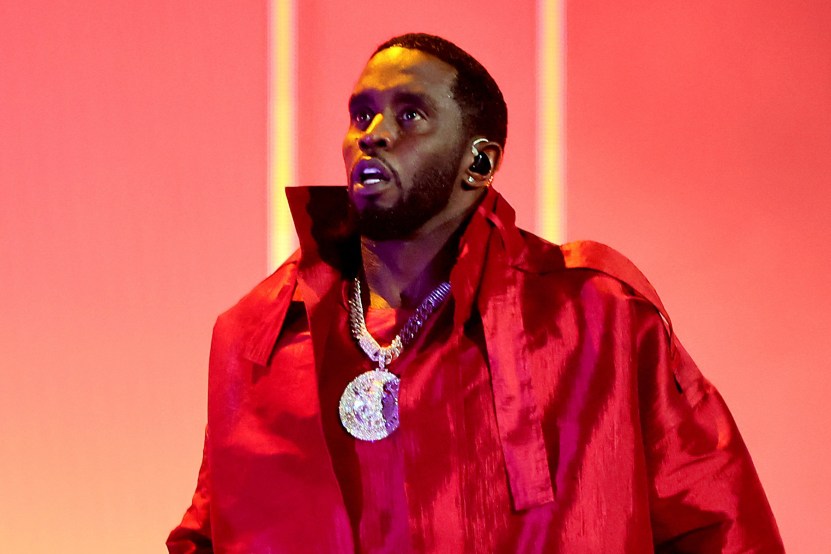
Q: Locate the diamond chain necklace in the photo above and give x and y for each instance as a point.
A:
(369, 404)
(385, 355)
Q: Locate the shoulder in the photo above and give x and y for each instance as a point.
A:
(606, 260)
(595, 262)
(256, 306)
(591, 268)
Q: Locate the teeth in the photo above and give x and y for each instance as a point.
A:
(371, 176)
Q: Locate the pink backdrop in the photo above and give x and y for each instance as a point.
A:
(133, 167)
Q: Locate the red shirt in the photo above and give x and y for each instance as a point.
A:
(548, 408)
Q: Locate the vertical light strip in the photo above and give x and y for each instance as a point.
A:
(551, 186)
(281, 131)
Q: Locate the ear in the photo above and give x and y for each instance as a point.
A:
(493, 151)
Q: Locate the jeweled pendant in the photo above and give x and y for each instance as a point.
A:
(369, 405)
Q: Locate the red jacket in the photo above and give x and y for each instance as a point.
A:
(611, 439)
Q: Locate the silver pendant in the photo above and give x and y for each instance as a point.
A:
(369, 405)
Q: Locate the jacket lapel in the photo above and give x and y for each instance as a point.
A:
(517, 414)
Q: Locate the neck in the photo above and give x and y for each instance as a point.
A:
(401, 273)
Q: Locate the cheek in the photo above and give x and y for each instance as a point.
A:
(346, 148)
(350, 144)
(350, 154)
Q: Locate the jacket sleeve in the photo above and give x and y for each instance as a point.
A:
(193, 534)
(704, 491)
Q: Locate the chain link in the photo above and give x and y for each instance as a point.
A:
(385, 355)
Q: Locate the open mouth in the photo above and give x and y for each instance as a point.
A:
(371, 176)
(371, 172)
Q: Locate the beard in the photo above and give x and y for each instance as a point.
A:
(429, 195)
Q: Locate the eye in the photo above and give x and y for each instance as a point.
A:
(408, 115)
(361, 116)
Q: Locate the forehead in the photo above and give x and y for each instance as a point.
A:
(399, 68)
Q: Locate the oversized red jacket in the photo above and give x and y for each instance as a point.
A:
(609, 438)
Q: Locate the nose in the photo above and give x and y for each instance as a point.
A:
(377, 136)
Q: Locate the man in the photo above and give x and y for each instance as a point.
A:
(531, 398)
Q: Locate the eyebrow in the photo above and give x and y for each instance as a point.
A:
(401, 97)
(415, 98)
(357, 100)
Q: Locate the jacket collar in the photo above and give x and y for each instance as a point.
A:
(326, 229)
(330, 250)
(330, 245)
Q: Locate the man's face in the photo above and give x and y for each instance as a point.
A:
(403, 150)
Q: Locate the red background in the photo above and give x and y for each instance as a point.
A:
(133, 167)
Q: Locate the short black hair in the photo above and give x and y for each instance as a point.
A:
(483, 108)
